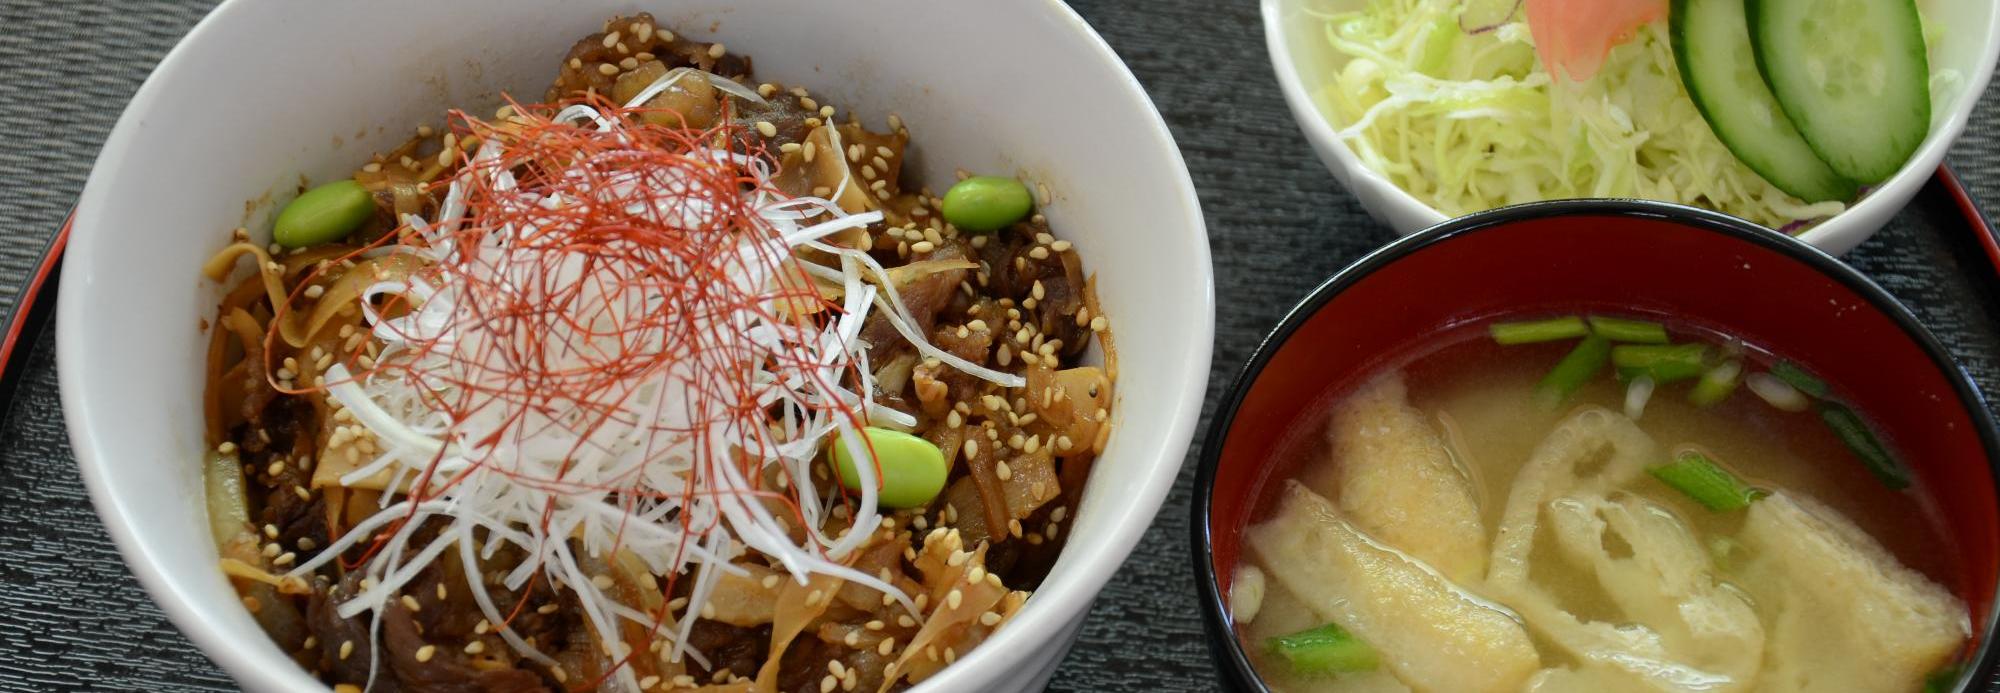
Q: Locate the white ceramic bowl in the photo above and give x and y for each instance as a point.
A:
(263, 92)
(1968, 44)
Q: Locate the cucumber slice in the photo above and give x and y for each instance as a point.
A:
(1712, 47)
(1851, 75)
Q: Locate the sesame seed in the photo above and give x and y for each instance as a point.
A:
(602, 582)
(810, 149)
(475, 647)
(765, 128)
(628, 63)
(716, 50)
(425, 653)
(611, 39)
(989, 619)
(814, 596)
(767, 89)
(346, 648)
(425, 131)
(923, 246)
(1003, 471)
(411, 603)
(807, 103)
(1060, 246)
(1099, 324)
(607, 69)
(770, 582)
(976, 574)
(788, 147)
(546, 609)
(971, 448)
(665, 36)
(853, 639)
(484, 627)
(649, 681)
(227, 448)
(885, 647)
(1039, 253)
(826, 684)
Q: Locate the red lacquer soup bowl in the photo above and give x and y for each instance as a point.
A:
(1600, 255)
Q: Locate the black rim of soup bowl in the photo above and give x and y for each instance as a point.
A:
(1234, 666)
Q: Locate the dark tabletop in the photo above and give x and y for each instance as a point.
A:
(72, 618)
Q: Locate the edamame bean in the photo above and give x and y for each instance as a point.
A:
(986, 203)
(911, 469)
(323, 215)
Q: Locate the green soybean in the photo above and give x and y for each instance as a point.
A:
(910, 470)
(986, 203)
(323, 215)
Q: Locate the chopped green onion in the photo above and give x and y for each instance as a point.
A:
(1776, 393)
(1511, 333)
(1622, 330)
(1706, 482)
(1943, 680)
(1798, 378)
(1851, 430)
(1716, 384)
(1324, 650)
(1573, 371)
(1665, 363)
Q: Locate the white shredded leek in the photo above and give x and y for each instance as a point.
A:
(534, 479)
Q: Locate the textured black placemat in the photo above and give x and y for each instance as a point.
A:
(72, 618)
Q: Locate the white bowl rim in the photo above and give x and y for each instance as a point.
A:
(1048, 613)
(1834, 238)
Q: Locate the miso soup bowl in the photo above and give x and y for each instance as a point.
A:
(263, 93)
(1709, 269)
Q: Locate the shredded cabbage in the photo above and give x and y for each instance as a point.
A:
(1470, 121)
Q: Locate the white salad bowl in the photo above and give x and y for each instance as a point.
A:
(264, 92)
(1968, 43)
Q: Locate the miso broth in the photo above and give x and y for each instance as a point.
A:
(1456, 570)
